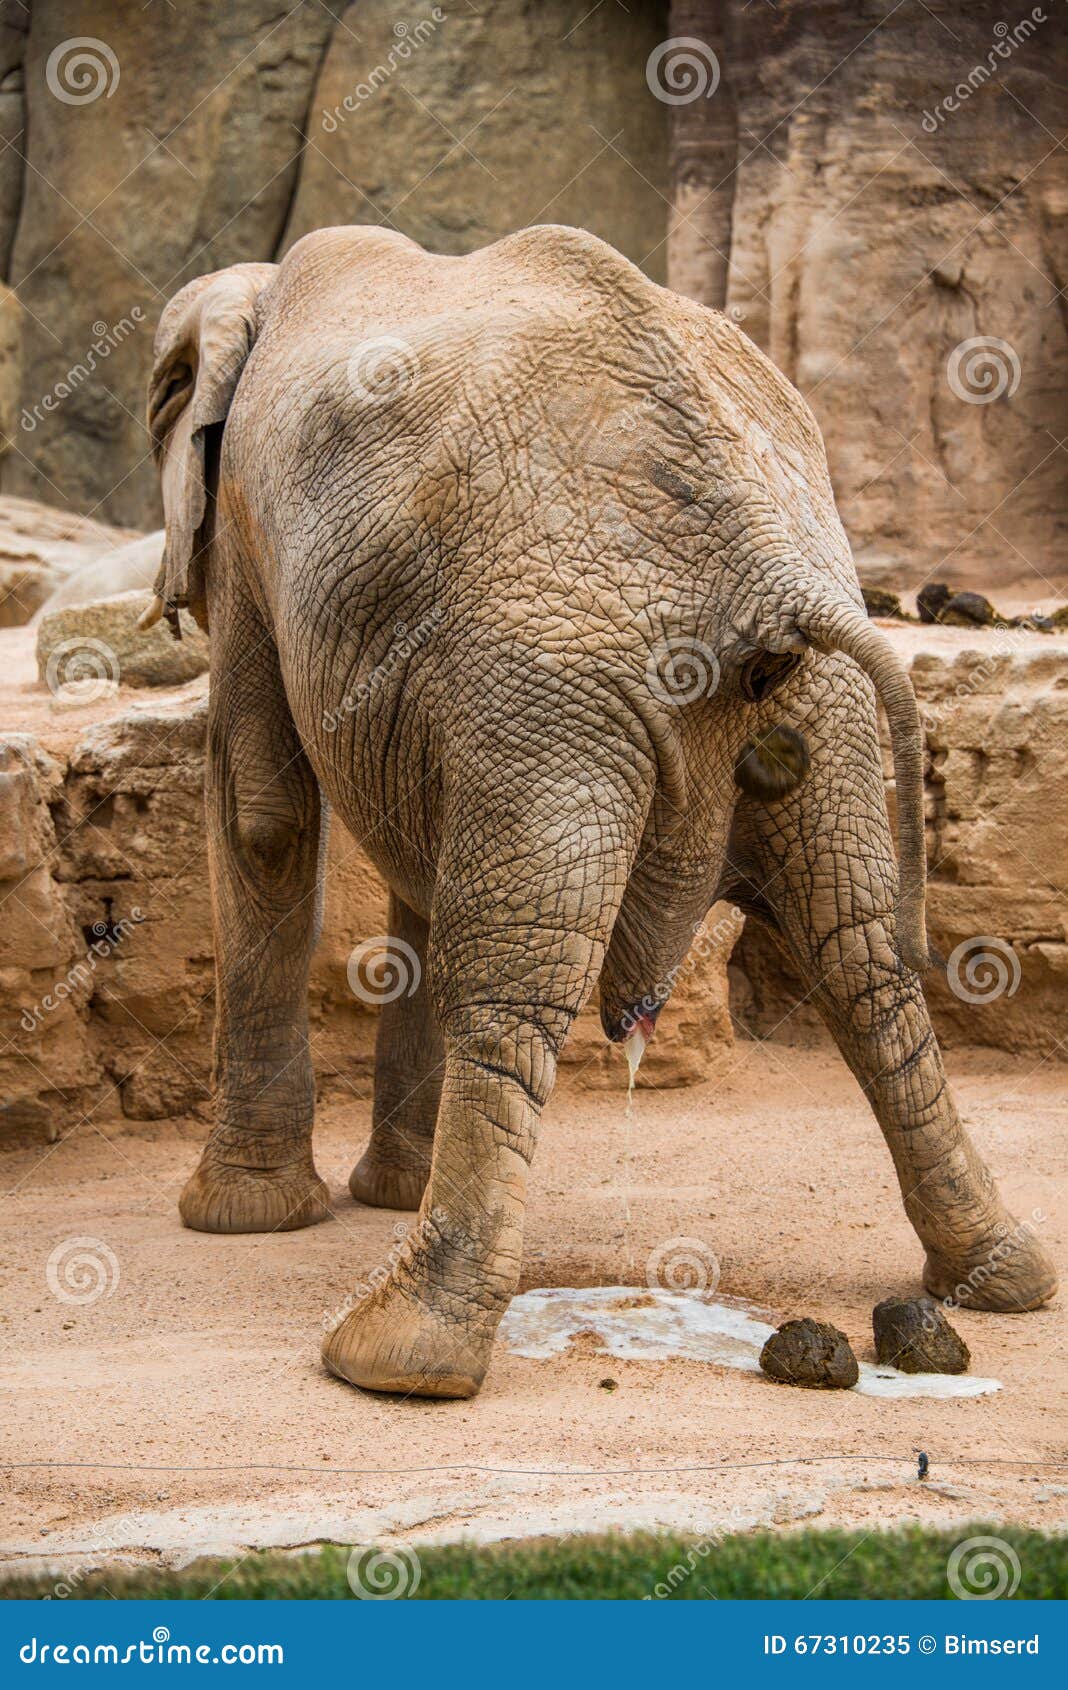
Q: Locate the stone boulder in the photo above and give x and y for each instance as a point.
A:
(82, 647)
(41, 548)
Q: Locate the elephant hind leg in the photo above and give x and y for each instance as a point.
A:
(409, 1065)
(829, 889)
(256, 1172)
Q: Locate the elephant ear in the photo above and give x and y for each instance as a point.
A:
(205, 335)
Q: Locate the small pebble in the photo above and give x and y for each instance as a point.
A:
(913, 1335)
(810, 1353)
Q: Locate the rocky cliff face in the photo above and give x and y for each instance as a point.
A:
(877, 195)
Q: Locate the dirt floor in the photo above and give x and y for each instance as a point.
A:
(203, 1352)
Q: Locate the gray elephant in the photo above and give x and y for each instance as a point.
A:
(533, 569)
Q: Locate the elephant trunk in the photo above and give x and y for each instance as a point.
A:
(843, 626)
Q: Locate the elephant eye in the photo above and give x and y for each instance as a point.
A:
(765, 672)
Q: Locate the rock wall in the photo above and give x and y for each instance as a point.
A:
(893, 220)
(219, 134)
(867, 189)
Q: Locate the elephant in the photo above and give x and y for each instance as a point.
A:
(530, 570)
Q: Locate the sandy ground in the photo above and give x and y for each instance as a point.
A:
(203, 1352)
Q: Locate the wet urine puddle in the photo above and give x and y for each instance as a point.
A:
(660, 1325)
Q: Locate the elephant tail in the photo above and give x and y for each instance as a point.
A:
(839, 624)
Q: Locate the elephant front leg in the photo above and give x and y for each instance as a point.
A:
(256, 1173)
(524, 904)
(824, 870)
(429, 1329)
(409, 1064)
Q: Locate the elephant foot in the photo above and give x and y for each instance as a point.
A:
(222, 1197)
(1008, 1276)
(392, 1342)
(384, 1185)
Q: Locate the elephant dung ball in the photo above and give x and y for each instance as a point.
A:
(810, 1353)
(968, 610)
(931, 599)
(879, 602)
(913, 1335)
(771, 765)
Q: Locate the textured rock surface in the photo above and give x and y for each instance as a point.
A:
(107, 630)
(875, 230)
(913, 1335)
(184, 162)
(500, 114)
(41, 547)
(817, 184)
(810, 1353)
